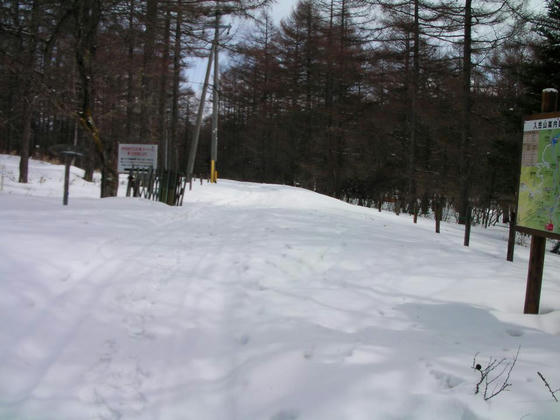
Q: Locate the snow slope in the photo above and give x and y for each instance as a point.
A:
(257, 302)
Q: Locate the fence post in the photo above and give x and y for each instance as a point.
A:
(183, 190)
(129, 183)
(136, 183)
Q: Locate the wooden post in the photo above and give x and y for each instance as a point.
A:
(136, 184)
(438, 212)
(150, 183)
(167, 186)
(534, 276)
(144, 184)
(415, 220)
(549, 101)
(129, 183)
(511, 238)
(183, 190)
(538, 243)
(468, 218)
(67, 160)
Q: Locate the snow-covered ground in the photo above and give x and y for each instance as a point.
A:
(258, 302)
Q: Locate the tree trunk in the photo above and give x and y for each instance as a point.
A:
(147, 90)
(165, 147)
(87, 14)
(28, 93)
(411, 190)
(130, 71)
(25, 142)
(465, 163)
(176, 79)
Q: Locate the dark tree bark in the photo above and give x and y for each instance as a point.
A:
(130, 73)
(411, 189)
(465, 163)
(147, 88)
(164, 143)
(176, 79)
(28, 92)
(87, 15)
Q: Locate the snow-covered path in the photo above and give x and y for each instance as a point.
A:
(260, 302)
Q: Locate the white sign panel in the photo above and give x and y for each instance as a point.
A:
(137, 156)
(543, 124)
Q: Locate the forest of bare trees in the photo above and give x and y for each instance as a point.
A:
(364, 100)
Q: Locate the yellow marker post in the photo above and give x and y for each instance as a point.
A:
(213, 171)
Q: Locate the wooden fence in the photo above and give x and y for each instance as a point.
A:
(160, 185)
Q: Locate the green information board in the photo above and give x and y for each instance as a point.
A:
(539, 188)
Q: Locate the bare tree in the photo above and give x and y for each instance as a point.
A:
(29, 95)
(87, 15)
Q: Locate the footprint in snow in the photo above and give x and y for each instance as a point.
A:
(244, 339)
(514, 332)
(445, 380)
(329, 354)
(285, 415)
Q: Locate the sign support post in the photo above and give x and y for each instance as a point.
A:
(67, 160)
(534, 276)
(539, 235)
(69, 152)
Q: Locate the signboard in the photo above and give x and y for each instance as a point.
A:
(539, 187)
(137, 156)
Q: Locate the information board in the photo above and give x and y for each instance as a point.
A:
(539, 188)
(137, 156)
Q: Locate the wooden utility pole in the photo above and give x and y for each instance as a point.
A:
(194, 144)
(538, 240)
(214, 146)
(215, 99)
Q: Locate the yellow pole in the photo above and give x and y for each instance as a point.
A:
(212, 171)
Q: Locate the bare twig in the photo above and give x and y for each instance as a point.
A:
(553, 393)
(495, 376)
